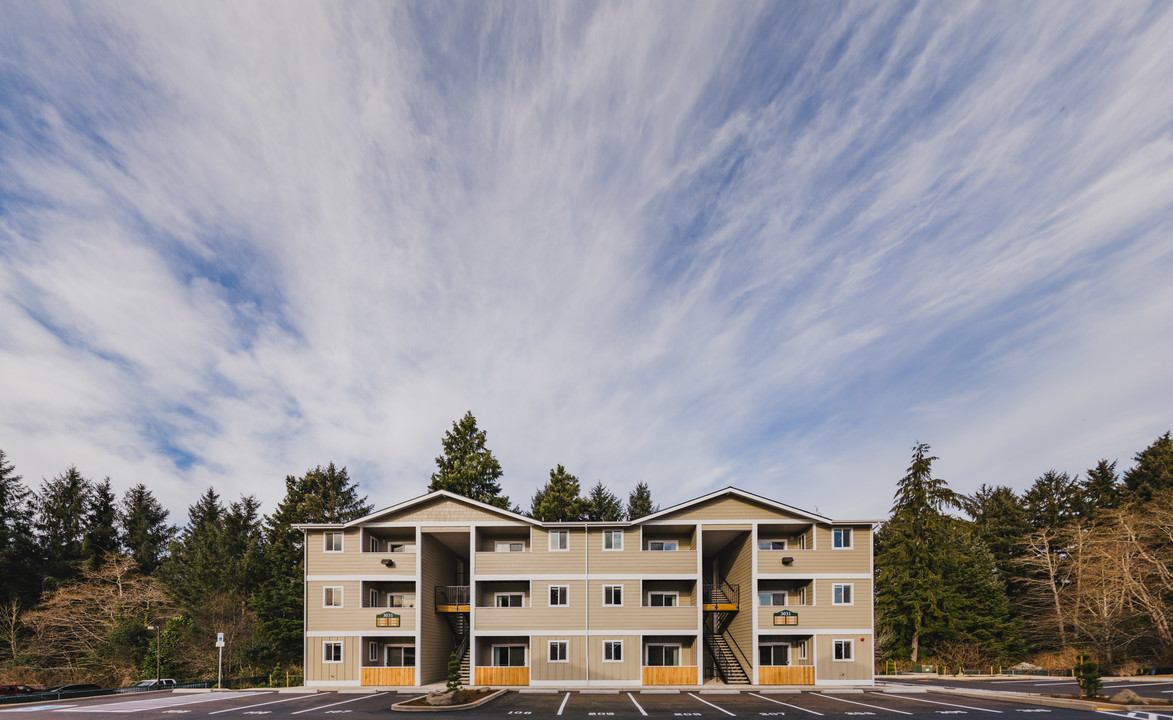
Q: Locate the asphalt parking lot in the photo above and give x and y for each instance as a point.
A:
(1155, 688)
(573, 705)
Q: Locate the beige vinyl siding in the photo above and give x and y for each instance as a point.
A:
(685, 589)
(529, 563)
(347, 670)
(857, 558)
(685, 537)
(728, 508)
(735, 562)
(859, 669)
(826, 615)
(635, 561)
(629, 669)
(352, 561)
(435, 636)
(631, 616)
(442, 510)
(351, 616)
(806, 562)
(525, 619)
(605, 557)
(487, 591)
(542, 669)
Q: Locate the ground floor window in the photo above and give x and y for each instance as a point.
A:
(841, 650)
(373, 651)
(559, 651)
(773, 654)
(612, 651)
(509, 656)
(663, 655)
(400, 655)
(332, 652)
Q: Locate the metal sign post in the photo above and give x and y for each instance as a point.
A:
(220, 663)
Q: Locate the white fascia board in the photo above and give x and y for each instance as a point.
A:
(740, 493)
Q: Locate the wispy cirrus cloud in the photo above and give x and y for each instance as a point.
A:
(764, 245)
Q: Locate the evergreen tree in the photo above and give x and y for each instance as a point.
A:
(60, 524)
(1000, 523)
(101, 535)
(910, 562)
(241, 546)
(18, 573)
(195, 567)
(976, 608)
(320, 496)
(467, 467)
(145, 532)
(639, 502)
(1053, 501)
(1153, 471)
(1101, 489)
(602, 504)
(558, 500)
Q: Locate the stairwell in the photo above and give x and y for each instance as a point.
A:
(719, 597)
(728, 668)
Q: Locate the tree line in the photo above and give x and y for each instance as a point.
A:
(84, 573)
(1075, 564)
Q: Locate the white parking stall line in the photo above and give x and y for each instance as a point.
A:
(706, 702)
(1136, 715)
(812, 712)
(1064, 682)
(876, 707)
(637, 705)
(159, 703)
(323, 707)
(37, 707)
(938, 702)
(271, 702)
(1138, 685)
(563, 705)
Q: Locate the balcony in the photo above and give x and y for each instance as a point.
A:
(453, 599)
(722, 597)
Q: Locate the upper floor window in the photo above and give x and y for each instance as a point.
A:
(841, 594)
(663, 545)
(559, 540)
(841, 538)
(559, 595)
(613, 595)
(771, 544)
(772, 599)
(509, 546)
(612, 539)
(663, 599)
(333, 542)
(332, 597)
(509, 600)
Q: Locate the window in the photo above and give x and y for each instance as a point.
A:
(612, 539)
(771, 544)
(559, 595)
(841, 650)
(509, 656)
(332, 652)
(400, 656)
(772, 599)
(773, 654)
(661, 655)
(373, 652)
(659, 545)
(509, 599)
(802, 650)
(663, 599)
(400, 547)
(401, 601)
(612, 651)
(613, 595)
(375, 546)
(559, 540)
(559, 651)
(841, 538)
(332, 597)
(374, 600)
(509, 546)
(333, 542)
(841, 594)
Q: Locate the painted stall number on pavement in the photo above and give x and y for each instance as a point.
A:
(520, 712)
(952, 712)
(336, 712)
(862, 712)
(600, 713)
(687, 714)
(176, 712)
(1033, 710)
(771, 714)
(258, 712)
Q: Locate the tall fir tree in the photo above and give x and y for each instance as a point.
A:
(195, 566)
(1053, 501)
(1153, 471)
(61, 524)
(101, 532)
(976, 608)
(1000, 523)
(19, 576)
(145, 532)
(1101, 488)
(910, 556)
(639, 502)
(467, 467)
(320, 496)
(559, 499)
(602, 504)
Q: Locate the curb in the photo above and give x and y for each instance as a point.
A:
(298, 690)
(1090, 705)
(404, 707)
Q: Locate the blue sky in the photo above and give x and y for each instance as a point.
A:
(766, 245)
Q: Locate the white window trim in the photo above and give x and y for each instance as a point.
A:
(801, 649)
(665, 543)
(784, 541)
(507, 543)
(850, 539)
(613, 533)
(558, 534)
(851, 592)
(788, 647)
(849, 644)
(508, 594)
(326, 537)
(550, 655)
(493, 648)
(340, 604)
(372, 597)
(551, 587)
(330, 643)
(784, 593)
(673, 593)
(621, 598)
(372, 651)
(679, 653)
(613, 643)
(402, 649)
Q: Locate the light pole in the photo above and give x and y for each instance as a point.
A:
(158, 660)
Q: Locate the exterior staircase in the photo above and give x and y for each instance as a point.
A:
(465, 668)
(721, 604)
(728, 668)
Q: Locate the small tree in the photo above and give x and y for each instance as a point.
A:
(453, 672)
(1087, 673)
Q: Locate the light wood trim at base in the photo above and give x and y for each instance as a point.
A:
(791, 675)
(388, 676)
(502, 676)
(682, 675)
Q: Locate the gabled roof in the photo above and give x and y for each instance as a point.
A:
(442, 494)
(736, 493)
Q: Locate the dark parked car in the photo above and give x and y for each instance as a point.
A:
(75, 688)
(164, 684)
(17, 690)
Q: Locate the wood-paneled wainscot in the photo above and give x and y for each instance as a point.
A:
(502, 676)
(682, 675)
(791, 675)
(388, 676)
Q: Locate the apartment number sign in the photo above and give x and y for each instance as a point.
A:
(387, 619)
(785, 617)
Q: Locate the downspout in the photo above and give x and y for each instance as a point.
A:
(586, 604)
(305, 595)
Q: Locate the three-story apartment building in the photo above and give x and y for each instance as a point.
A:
(731, 586)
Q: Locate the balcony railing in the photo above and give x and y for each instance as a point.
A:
(452, 596)
(722, 596)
